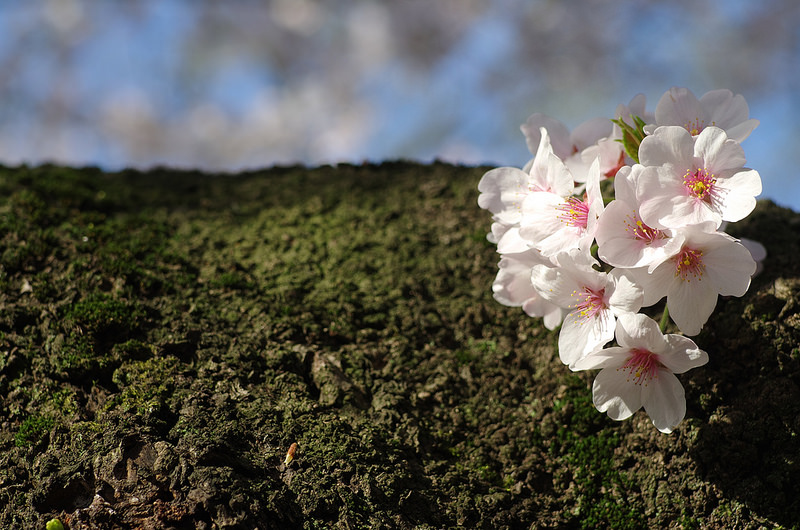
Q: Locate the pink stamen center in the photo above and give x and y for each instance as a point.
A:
(695, 127)
(574, 212)
(689, 264)
(640, 231)
(700, 183)
(643, 366)
(589, 302)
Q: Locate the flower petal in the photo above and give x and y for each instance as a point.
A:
(627, 296)
(607, 357)
(558, 132)
(512, 285)
(664, 400)
(667, 145)
(502, 191)
(678, 106)
(635, 330)
(739, 194)
(579, 335)
(613, 394)
(681, 354)
(690, 304)
(512, 243)
(729, 267)
(655, 285)
(717, 151)
(553, 284)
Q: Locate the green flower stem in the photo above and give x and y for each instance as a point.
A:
(664, 320)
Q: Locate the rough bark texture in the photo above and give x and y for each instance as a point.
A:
(166, 336)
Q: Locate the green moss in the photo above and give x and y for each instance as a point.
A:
(181, 330)
(586, 444)
(101, 314)
(147, 386)
(32, 430)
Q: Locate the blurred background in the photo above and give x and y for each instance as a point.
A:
(244, 84)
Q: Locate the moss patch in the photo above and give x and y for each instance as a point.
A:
(166, 336)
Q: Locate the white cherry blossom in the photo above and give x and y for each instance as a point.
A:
(571, 147)
(502, 190)
(513, 287)
(717, 108)
(640, 372)
(623, 239)
(552, 223)
(707, 265)
(593, 299)
(697, 179)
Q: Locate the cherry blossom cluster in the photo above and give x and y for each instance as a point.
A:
(590, 265)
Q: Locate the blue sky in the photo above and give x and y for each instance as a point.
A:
(169, 82)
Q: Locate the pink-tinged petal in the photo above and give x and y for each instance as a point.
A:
(559, 134)
(556, 177)
(610, 153)
(627, 296)
(637, 107)
(527, 167)
(554, 285)
(667, 145)
(560, 241)
(580, 262)
(613, 394)
(617, 246)
(655, 285)
(547, 171)
(741, 130)
(512, 285)
(688, 212)
(607, 357)
(579, 266)
(512, 243)
(625, 183)
(681, 354)
(757, 250)
(717, 152)
(498, 231)
(690, 304)
(666, 203)
(678, 106)
(580, 335)
(638, 331)
(625, 240)
(739, 193)
(595, 198)
(579, 169)
(664, 401)
(747, 182)
(503, 190)
(538, 307)
(729, 268)
(728, 112)
(589, 132)
(552, 316)
(542, 225)
(725, 107)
